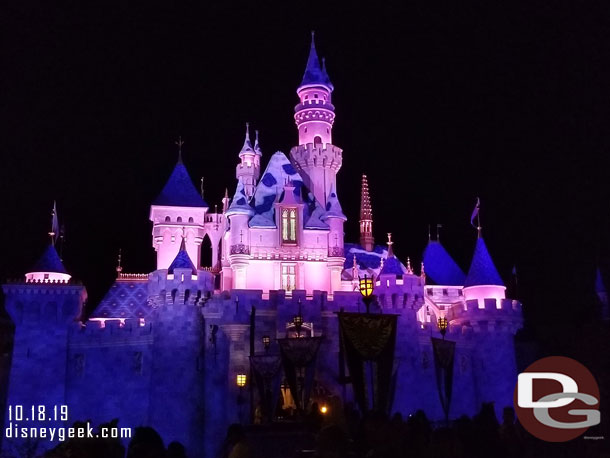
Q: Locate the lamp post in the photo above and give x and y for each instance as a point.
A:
(241, 382)
(366, 289)
(266, 342)
(442, 326)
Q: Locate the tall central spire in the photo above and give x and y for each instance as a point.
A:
(366, 217)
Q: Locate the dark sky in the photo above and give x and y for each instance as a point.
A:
(438, 104)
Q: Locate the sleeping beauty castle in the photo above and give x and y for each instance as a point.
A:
(286, 315)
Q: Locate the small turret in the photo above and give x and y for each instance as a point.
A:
(249, 169)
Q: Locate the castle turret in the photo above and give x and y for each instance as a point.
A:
(249, 169)
(43, 309)
(492, 321)
(316, 157)
(366, 217)
(179, 211)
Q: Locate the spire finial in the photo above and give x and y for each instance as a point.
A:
(409, 269)
(119, 269)
(54, 232)
(390, 243)
(429, 236)
(179, 142)
(438, 232)
(201, 187)
(313, 38)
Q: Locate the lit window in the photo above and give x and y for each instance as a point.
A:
(289, 225)
(289, 277)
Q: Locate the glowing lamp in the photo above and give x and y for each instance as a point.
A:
(366, 287)
(442, 325)
(324, 410)
(266, 342)
(241, 380)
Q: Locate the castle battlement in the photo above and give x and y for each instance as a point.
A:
(310, 155)
(504, 314)
(110, 333)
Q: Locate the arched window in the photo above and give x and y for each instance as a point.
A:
(317, 140)
(191, 219)
(179, 219)
(167, 219)
(289, 225)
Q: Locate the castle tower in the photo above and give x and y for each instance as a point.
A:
(316, 157)
(249, 169)
(179, 211)
(43, 309)
(366, 217)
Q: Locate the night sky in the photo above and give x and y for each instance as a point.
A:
(437, 104)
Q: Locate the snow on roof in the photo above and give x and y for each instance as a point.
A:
(270, 189)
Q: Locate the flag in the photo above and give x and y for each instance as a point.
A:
(54, 224)
(475, 213)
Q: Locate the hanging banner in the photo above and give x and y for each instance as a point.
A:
(369, 338)
(444, 352)
(299, 363)
(266, 370)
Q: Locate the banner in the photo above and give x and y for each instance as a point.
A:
(266, 370)
(444, 352)
(299, 362)
(369, 338)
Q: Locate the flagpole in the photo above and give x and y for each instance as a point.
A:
(52, 231)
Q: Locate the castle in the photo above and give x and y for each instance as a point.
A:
(165, 348)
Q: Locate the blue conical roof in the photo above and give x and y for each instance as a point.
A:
(179, 190)
(49, 262)
(440, 266)
(182, 261)
(599, 282)
(314, 72)
(482, 269)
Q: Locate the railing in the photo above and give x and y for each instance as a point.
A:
(123, 276)
(336, 251)
(240, 248)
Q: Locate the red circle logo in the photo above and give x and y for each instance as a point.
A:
(557, 399)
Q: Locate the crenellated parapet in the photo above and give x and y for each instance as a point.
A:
(42, 302)
(494, 315)
(180, 287)
(310, 155)
(112, 332)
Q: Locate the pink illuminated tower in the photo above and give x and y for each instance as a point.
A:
(316, 158)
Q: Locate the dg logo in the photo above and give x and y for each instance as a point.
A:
(557, 399)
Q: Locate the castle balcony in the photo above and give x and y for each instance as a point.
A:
(240, 248)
